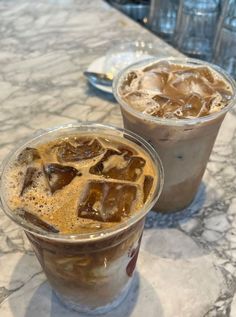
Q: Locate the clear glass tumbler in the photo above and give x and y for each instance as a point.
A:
(225, 40)
(162, 17)
(196, 25)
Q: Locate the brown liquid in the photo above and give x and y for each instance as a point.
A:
(80, 184)
(174, 90)
(170, 90)
(83, 183)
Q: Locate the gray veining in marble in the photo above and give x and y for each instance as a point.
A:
(44, 47)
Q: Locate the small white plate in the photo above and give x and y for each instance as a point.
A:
(97, 66)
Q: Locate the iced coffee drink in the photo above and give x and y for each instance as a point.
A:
(178, 107)
(81, 194)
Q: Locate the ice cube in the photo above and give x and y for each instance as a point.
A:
(138, 100)
(184, 74)
(59, 176)
(171, 106)
(158, 108)
(97, 169)
(226, 94)
(29, 178)
(188, 83)
(130, 77)
(174, 93)
(147, 186)
(160, 99)
(130, 83)
(205, 73)
(153, 81)
(193, 105)
(127, 150)
(215, 103)
(107, 201)
(28, 155)
(163, 66)
(119, 165)
(35, 220)
(154, 110)
(202, 87)
(83, 149)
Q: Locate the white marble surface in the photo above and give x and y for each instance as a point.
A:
(187, 263)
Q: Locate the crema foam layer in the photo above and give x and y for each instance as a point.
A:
(80, 184)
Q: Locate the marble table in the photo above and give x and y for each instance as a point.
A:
(45, 46)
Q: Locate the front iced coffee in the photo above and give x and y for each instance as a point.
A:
(178, 107)
(81, 194)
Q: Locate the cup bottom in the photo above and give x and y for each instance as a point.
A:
(99, 310)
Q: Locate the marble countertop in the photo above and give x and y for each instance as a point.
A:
(45, 46)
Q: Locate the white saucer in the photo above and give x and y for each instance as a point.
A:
(113, 63)
(98, 66)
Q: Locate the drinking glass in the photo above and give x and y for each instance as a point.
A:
(195, 29)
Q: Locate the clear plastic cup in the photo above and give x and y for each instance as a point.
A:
(184, 145)
(89, 272)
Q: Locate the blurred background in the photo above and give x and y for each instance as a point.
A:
(203, 29)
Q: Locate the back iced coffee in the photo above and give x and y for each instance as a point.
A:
(178, 107)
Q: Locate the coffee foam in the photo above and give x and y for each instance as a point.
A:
(60, 208)
(168, 90)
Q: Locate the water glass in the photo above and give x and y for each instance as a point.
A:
(195, 29)
(225, 39)
(137, 10)
(162, 18)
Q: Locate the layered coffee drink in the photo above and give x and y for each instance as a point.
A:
(82, 196)
(178, 107)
